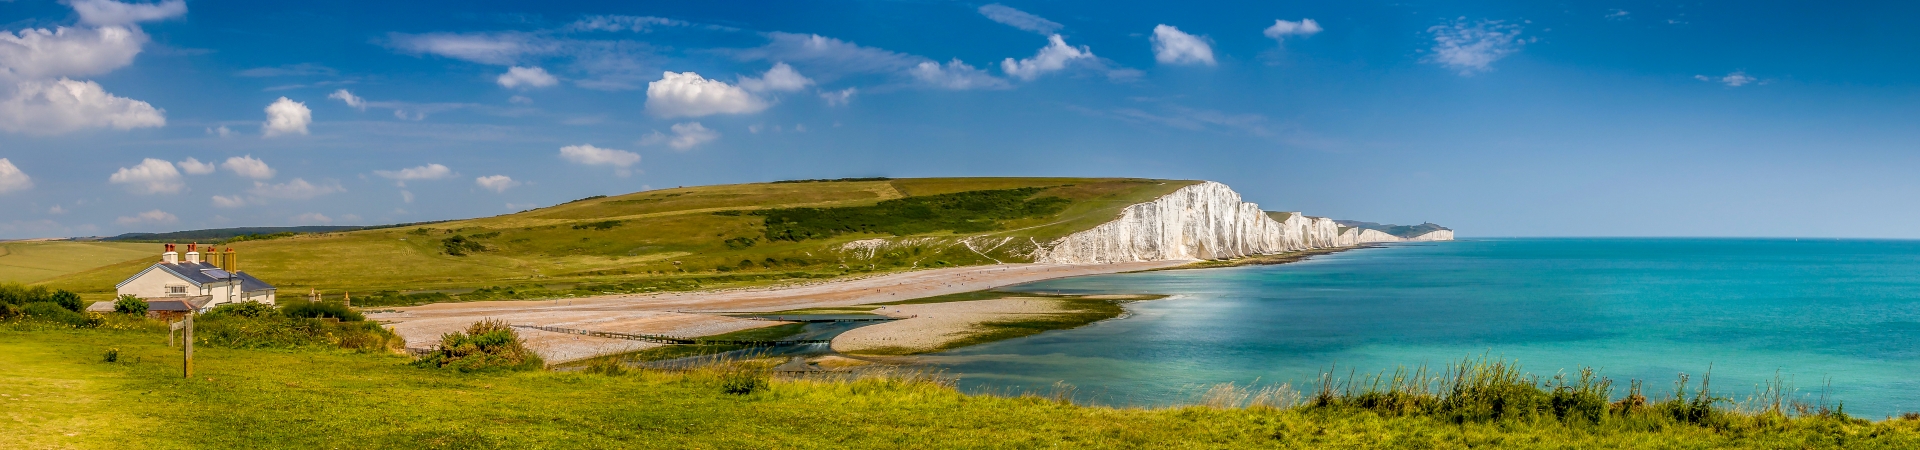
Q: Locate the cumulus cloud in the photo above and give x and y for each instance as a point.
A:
(838, 98)
(1051, 58)
(59, 106)
(501, 49)
(312, 218)
(590, 155)
(153, 217)
(426, 172)
(955, 75)
(1736, 79)
(1019, 19)
(12, 179)
(353, 101)
(1281, 29)
(533, 77)
(38, 53)
(109, 12)
(229, 201)
(496, 183)
(1172, 46)
(1471, 48)
(829, 56)
(286, 116)
(151, 176)
(249, 167)
(685, 136)
(193, 166)
(690, 95)
(781, 78)
(297, 189)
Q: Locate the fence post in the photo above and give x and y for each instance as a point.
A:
(186, 368)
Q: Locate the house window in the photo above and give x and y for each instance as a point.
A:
(176, 291)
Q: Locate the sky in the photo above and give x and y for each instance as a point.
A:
(1522, 118)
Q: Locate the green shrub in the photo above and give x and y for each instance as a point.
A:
(20, 295)
(130, 304)
(963, 212)
(68, 300)
(113, 355)
(318, 310)
(599, 226)
(461, 245)
(53, 312)
(242, 309)
(742, 382)
(234, 330)
(486, 345)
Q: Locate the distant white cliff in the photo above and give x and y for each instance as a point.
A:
(1206, 221)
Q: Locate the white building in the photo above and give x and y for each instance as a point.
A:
(204, 284)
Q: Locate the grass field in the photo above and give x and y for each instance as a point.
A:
(58, 393)
(30, 261)
(684, 238)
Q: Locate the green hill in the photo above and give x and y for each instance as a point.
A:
(687, 238)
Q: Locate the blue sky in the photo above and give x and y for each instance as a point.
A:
(1495, 118)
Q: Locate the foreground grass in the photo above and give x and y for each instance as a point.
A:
(58, 393)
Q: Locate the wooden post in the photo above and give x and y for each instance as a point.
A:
(186, 367)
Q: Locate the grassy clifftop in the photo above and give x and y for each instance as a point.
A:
(689, 237)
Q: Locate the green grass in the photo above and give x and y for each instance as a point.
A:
(672, 239)
(667, 352)
(59, 394)
(30, 261)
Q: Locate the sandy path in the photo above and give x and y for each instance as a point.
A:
(679, 313)
(928, 326)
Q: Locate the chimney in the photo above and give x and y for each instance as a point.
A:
(193, 253)
(227, 262)
(170, 257)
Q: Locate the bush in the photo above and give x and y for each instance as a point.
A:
(461, 245)
(130, 304)
(68, 300)
(231, 328)
(318, 310)
(242, 309)
(961, 212)
(486, 345)
(742, 382)
(113, 355)
(53, 312)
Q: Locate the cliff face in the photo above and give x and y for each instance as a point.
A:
(1204, 221)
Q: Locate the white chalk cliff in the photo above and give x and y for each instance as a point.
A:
(1206, 221)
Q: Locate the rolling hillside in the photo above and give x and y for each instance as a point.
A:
(684, 238)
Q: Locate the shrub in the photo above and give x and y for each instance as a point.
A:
(599, 226)
(68, 300)
(460, 246)
(233, 329)
(962, 212)
(113, 355)
(486, 345)
(52, 312)
(130, 304)
(242, 309)
(742, 382)
(318, 310)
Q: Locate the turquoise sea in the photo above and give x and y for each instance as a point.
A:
(1839, 318)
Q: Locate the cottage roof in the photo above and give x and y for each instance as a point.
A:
(179, 304)
(202, 274)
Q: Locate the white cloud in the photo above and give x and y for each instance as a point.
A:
(587, 154)
(406, 196)
(297, 189)
(351, 100)
(248, 167)
(496, 183)
(1736, 79)
(1472, 48)
(830, 57)
(109, 12)
(151, 176)
(685, 136)
(194, 167)
(1281, 29)
(533, 77)
(840, 97)
(154, 217)
(955, 75)
(229, 201)
(38, 53)
(221, 131)
(59, 106)
(311, 218)
(286, 116)
(12, 179)
(1053, 57)
(520, 100)
(781, 78)
(501, 49)
(1617, 14)
(56, 210)
(622, 23)
(1172, 46)
(689, 95)
(1019, 19)
(426, 172)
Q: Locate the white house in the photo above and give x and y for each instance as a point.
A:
(204, 284)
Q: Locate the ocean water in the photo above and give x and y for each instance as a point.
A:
(1832, 318)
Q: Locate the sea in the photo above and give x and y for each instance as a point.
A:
(1835, 321)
